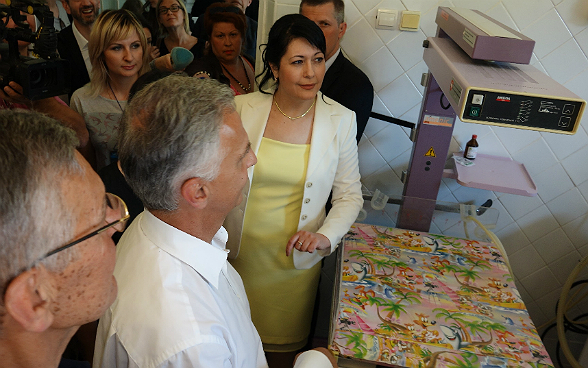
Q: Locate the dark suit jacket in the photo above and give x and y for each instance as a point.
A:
(68, 48)
(349, 86)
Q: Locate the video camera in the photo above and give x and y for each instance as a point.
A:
(39, 77)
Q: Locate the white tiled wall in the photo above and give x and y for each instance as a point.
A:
(545, 235)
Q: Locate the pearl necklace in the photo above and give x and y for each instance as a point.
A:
(293, 117)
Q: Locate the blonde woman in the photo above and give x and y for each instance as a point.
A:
(174, 27)
(117, 44)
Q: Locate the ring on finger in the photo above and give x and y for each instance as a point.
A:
(299, 243)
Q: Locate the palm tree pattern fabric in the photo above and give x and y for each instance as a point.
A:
(415, 299)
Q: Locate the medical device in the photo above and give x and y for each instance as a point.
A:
(475, 73)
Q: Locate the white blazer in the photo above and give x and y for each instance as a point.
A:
(332, 165)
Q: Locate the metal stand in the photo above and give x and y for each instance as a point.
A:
(425, 170)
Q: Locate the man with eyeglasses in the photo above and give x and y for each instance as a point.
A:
(180, 303)
(56, 255)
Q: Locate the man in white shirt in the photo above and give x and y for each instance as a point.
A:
(185, 154)
(73, 40)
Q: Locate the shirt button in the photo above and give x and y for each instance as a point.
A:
(304, 217)
(307, 200)
(309, 184)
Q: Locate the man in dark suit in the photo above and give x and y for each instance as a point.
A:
(73, 40)
(343, 82)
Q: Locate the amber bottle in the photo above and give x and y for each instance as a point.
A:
(471, 148)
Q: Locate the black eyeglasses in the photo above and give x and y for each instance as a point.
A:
(174, 9)
(115, 205)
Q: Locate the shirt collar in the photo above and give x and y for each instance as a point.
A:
(331, 60)
(205, 258)
(82, 42)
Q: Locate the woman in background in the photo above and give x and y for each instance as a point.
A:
(136, 7)
(306, 148)
(116, 46)
(225, 26)
(174, 27)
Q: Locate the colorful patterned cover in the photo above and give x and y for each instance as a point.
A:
(415, 299)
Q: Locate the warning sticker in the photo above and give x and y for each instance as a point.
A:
(430, 153)
(439, 120)
(444, 15)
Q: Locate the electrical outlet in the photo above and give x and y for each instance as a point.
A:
(387, 19)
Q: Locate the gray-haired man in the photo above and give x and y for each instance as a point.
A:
(56, 254)
(185, 153)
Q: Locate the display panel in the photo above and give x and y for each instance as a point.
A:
(521, 111)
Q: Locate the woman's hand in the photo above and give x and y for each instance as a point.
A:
(306, 241)
(153, 51)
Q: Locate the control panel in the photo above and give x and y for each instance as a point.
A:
(522, 111)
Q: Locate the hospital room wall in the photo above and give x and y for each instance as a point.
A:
(546, 235)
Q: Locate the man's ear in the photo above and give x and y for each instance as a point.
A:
(342, 30)
(66, 6)
(196, 192)
(27, 301)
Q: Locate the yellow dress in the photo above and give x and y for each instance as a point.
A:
(281, 297)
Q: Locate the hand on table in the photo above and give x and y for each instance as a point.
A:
(305, 241)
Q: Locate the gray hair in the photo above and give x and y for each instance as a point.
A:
(170, 133)
(37, 155)
(339, 6)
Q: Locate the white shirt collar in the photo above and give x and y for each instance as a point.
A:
(82, 42)
(206, 259)
(331, 60)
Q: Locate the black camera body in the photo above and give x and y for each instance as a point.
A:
(41, 77)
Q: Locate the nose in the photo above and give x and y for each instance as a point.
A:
(253, 159)
(127, 56)
(309, 70)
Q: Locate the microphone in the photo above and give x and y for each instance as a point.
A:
(181, 58)
(178, 59)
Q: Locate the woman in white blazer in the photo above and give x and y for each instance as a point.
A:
(306, 148)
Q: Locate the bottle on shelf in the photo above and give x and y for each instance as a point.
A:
(471, 148)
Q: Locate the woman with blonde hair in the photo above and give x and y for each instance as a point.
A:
(174, 27)
(116, 46)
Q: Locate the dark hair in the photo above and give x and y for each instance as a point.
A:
(135, 7)
(339, 6)
(224, 12)
(147, 78)
(285, 30)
